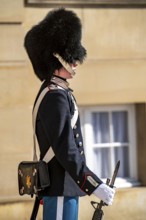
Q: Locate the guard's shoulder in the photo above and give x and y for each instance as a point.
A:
(57, 90)
(56, 95)
(53, 87)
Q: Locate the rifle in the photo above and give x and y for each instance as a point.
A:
(35, 208)
(98, 213)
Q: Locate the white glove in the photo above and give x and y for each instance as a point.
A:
(105, 193)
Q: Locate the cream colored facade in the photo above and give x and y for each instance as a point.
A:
(113, 73)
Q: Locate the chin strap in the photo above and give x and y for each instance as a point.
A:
(64, 64)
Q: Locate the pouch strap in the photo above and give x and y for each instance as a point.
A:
(76, 113)
(49, 154)
(34, 115)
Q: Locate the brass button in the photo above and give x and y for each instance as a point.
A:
(78, 182)
(75, 127)
(77, 135)
(80, 144)
(82, 152)
(86, 190)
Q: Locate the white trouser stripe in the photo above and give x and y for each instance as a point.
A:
(60, 201)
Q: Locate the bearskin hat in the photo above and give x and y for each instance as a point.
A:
(54, 41)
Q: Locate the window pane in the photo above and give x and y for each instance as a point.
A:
(102, 162)
(111, 128)
(100, 127)
(120, 127)
(122, 154)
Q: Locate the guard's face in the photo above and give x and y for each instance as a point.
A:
(64, 73)
(73, 66)
(68, 74)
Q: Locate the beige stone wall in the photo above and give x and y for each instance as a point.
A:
(116, 63)
(15, 98)
(114, 72)
(11, 11)
(129, 204)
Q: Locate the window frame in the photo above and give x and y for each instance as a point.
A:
(86, 112)
(83, 3)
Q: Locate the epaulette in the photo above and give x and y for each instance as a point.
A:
(53, 87)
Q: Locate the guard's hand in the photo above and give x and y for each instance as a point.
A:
(105, 193)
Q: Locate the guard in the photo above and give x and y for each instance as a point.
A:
(54, 48)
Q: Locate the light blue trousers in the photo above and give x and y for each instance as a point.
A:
(60, 208)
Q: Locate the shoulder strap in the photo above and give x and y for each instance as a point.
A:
(49, 154)
(34, 115)
(76, 113)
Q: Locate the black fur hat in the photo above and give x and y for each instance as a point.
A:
(54, 41)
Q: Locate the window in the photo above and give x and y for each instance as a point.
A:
(109, 135)
(86, 3)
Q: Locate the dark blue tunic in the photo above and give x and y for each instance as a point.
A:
(68, 171)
